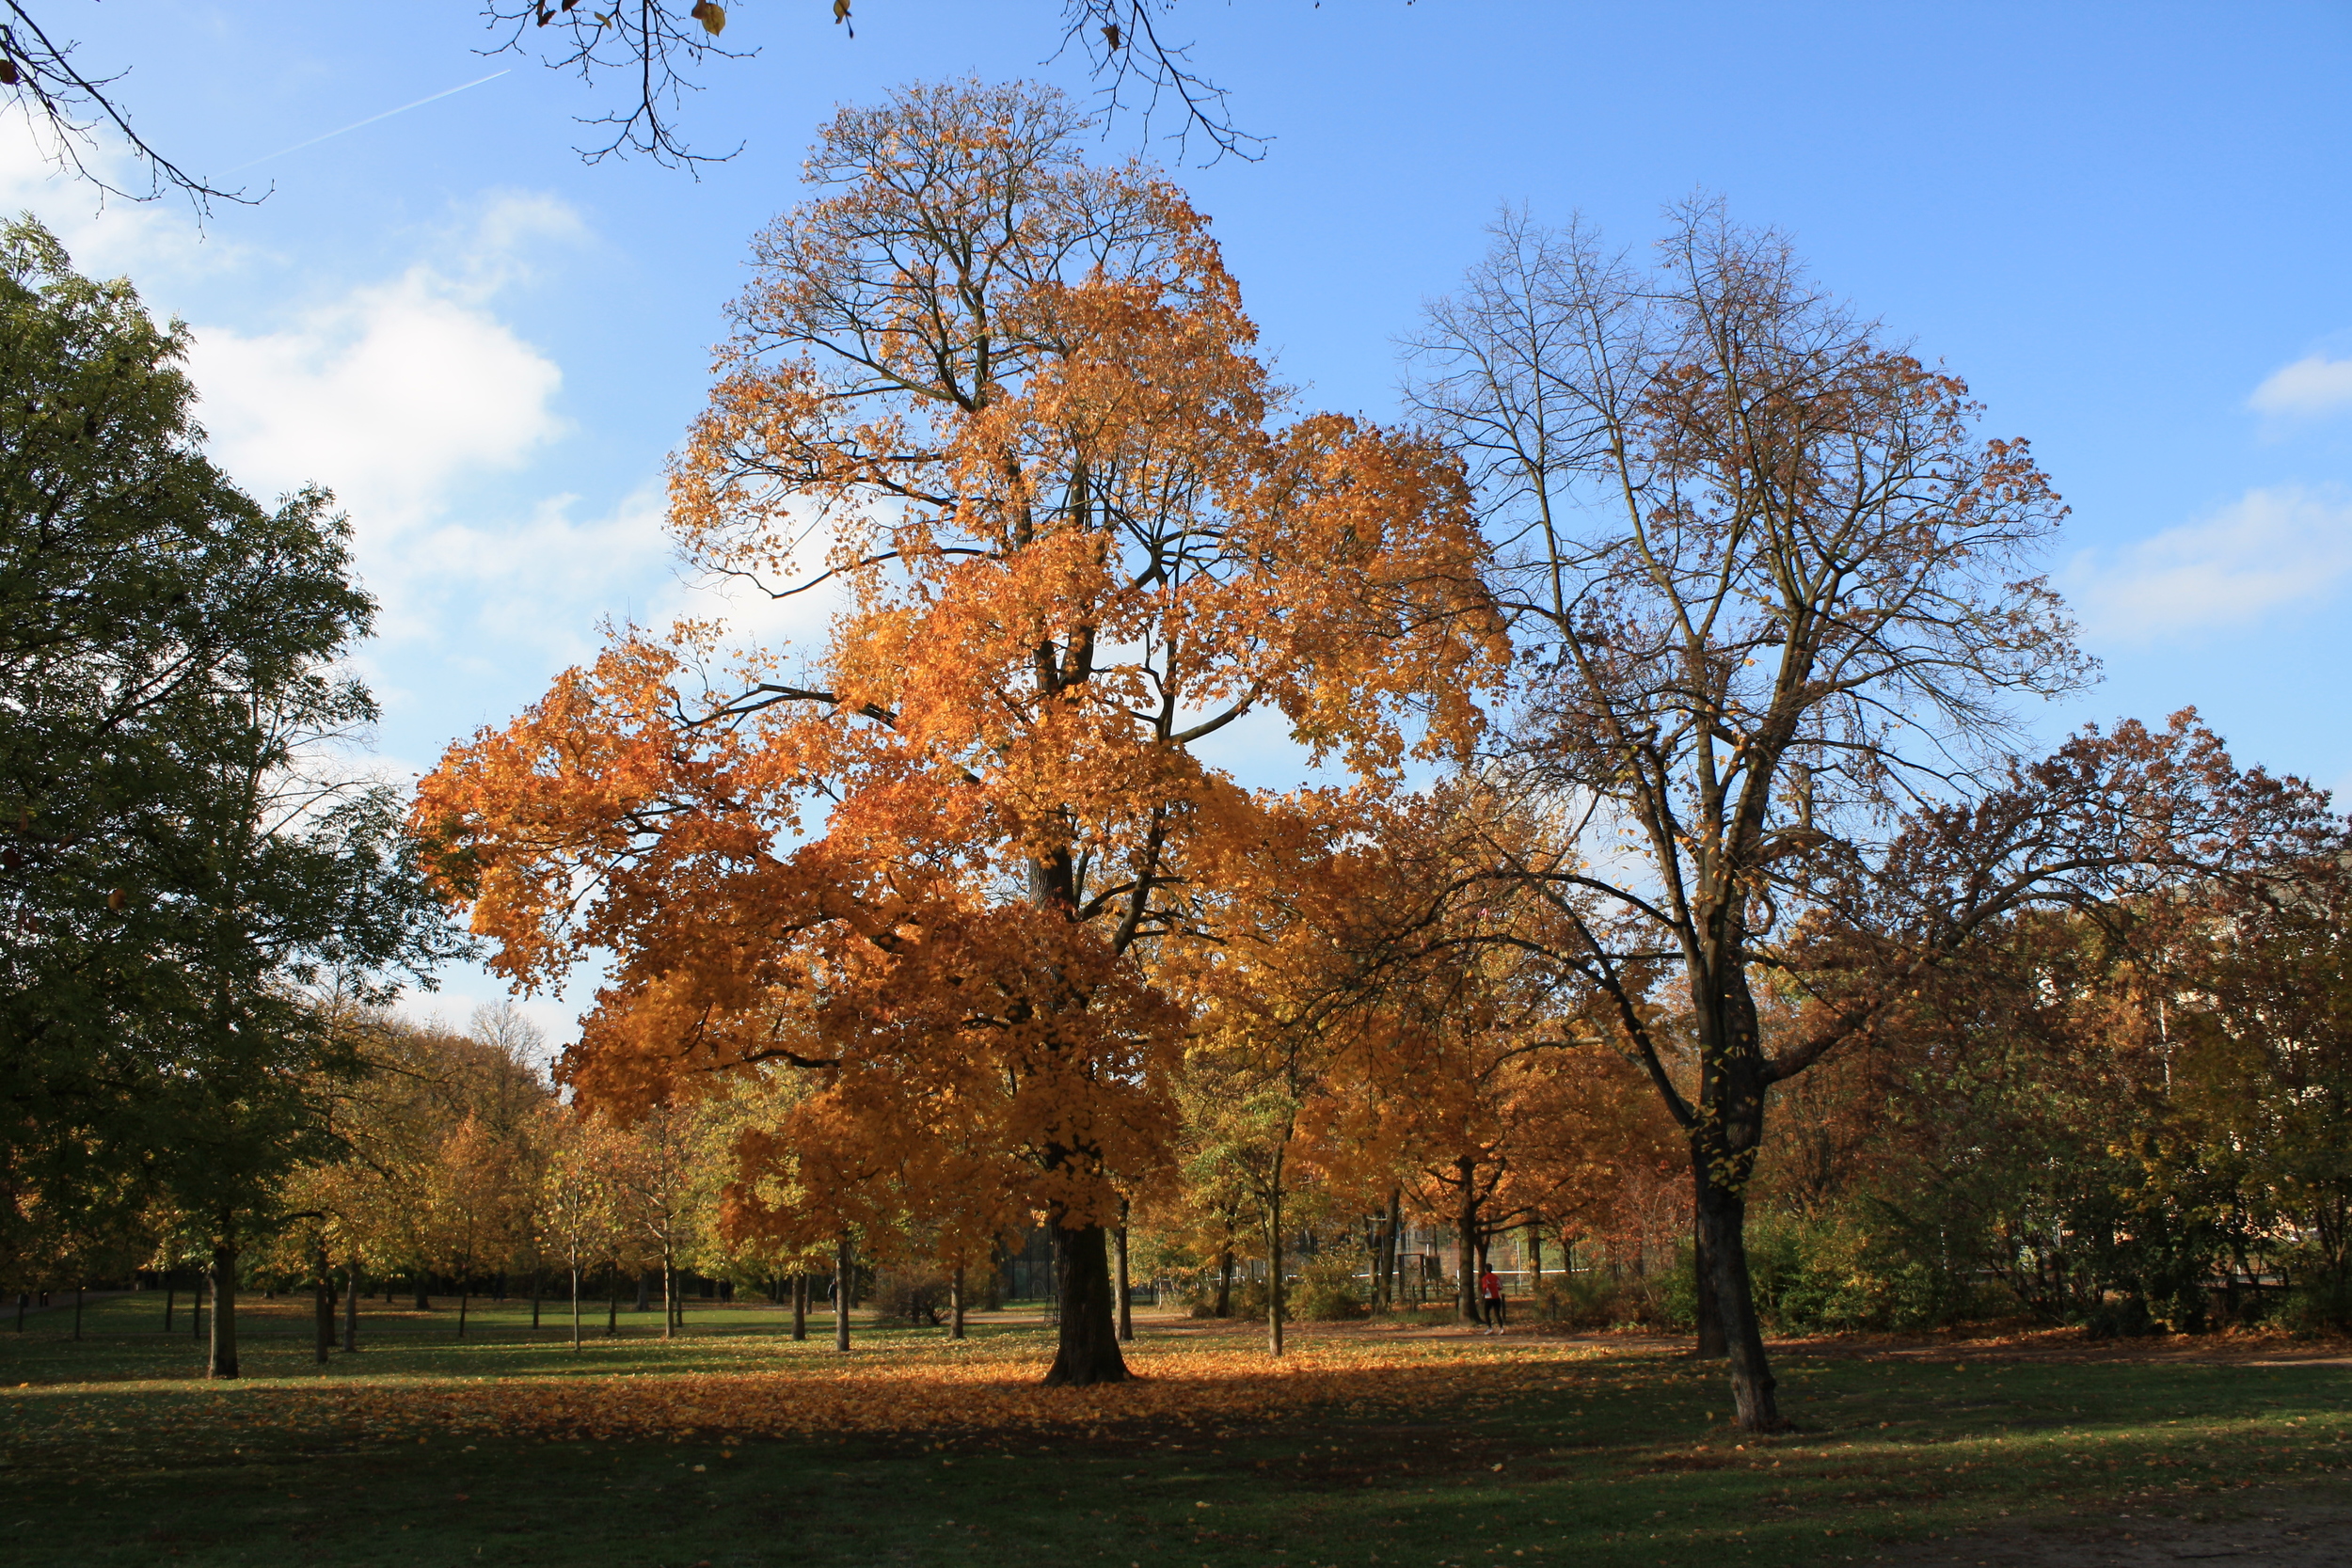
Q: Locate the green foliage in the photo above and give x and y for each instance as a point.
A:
(184, 868)
(1327, 1289)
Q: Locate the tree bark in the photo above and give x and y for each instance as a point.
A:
(351, 1305)
(1273, 1264)
(1712, 1345)
(1225, 1280)
(1384, 1292)
(1723, 1216)
(799, 1305)
(955, 1304)
(221, 1359)
(1087, 1351)
(669, 1295)
(1126, 1313)
(323, 1304)
(1466, 1242)
(844, 1277)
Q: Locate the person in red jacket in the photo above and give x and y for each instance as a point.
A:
(1490, 1296)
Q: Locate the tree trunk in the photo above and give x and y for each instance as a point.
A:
(844, 1277)
(221, 1361)
(1466, 1243)
(955, 1304)
(1722, 1217)
(1087, 1351)
(1535, 1257)
(77, 1311)
(1225, 1280)
(170, 1292)
(1273, 1264)
(1126, 1312)
(323, 1304)
(575, 1308)
(669, 1295)
(1712, 1345)
(424, 1300)
(465, 1300)
(611, 1304)
(351, 1305)
(537, 1289)
(644, 1288)
(1384, 1290)
(799, 1305)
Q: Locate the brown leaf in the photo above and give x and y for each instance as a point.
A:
(713, 18)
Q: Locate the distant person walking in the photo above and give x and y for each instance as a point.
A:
(1490, 1296)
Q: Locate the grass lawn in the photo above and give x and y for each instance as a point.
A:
(1371, 1445)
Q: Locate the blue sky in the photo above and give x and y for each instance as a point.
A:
(2129, 227)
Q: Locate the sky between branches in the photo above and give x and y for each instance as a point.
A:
(2126, 228)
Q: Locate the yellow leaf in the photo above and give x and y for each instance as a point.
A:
(713, 18)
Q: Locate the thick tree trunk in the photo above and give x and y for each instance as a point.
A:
(1087, 1350)
(351, 1305)
(1725, 1133)
(955, 1304)
(1126, 1312)
(1535, 1257)
(799, 1305)
(322, 1305)
(1710, 1317)
(1722, 1217)
(844, 1280)
(1225, 1281)
(221, 1359)
(1466, 1243)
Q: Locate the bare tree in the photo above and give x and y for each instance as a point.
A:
(654, 49)
(40, 77)
(1773, 601)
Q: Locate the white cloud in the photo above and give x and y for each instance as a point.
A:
(2271, 549)
(391, 392)
(2312, 385)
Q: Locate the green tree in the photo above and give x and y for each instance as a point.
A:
(194, 879)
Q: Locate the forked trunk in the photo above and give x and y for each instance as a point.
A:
(1087, 1350)
(221, 1359)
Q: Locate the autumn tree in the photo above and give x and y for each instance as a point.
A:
(1004, 403)
(1773, 596)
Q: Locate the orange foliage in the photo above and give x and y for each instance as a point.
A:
(1016, 395)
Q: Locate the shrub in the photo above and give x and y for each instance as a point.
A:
(1328, 1291)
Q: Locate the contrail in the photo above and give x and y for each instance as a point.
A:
(370, 120)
